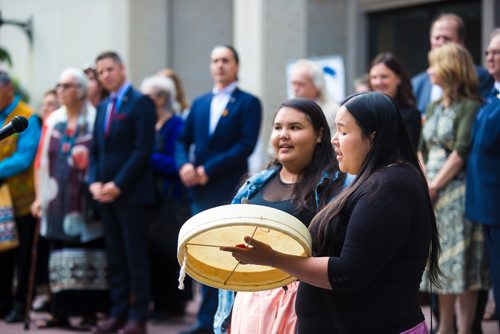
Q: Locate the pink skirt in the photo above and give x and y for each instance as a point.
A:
(265, 312)
(421, 328)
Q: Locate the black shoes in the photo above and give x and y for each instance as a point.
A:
(198, 330)
(14, 316)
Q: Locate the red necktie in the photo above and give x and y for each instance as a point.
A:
(110, 115)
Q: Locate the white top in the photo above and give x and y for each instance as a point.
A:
(436, 93)
(219, 102)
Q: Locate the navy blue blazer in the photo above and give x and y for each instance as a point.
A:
(124, 154)
(422, 87)
(224, 154)
(483, 165)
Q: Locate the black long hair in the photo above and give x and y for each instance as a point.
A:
(323, 159)
(375, 113)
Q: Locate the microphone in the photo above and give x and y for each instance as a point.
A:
(16, 125)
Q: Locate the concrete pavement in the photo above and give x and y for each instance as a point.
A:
(173, 326)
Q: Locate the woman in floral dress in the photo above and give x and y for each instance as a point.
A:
(444, 148)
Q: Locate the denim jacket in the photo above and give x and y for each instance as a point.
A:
(247, 191)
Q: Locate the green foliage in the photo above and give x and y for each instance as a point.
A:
(5, 57)
(18, 88)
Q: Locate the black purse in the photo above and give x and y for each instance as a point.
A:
(170, 214)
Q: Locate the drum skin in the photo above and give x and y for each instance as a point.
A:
(201, 236)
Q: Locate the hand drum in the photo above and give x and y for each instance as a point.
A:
(201, 236)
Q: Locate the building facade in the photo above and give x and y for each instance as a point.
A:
(269, 34)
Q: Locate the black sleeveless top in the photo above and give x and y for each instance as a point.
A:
(279, 195)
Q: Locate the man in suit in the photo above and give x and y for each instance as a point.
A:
(483, 179)
(121, 180)
(445, 28)
(223, 125)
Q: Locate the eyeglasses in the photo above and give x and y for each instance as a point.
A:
(65, 86)
(492, 52)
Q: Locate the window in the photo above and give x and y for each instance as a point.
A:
(405, 32)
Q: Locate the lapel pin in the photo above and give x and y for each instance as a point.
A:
(225, 112)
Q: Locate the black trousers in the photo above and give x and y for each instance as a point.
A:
(125, 231)
(18, 262)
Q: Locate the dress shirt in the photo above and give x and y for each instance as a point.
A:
(119, 99)
(219, 102)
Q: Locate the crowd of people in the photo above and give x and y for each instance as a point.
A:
(397, 185)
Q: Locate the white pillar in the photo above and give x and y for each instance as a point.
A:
(268, 35)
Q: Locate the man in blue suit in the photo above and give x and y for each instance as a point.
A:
(223, 125)
(483, 166)
(445, 28)
(121, 180)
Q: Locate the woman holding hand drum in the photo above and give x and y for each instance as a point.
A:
(303, 178)
(372, 242)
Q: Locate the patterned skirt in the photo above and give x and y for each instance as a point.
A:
(78, 279)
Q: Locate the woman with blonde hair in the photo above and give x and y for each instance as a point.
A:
(444, 148)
